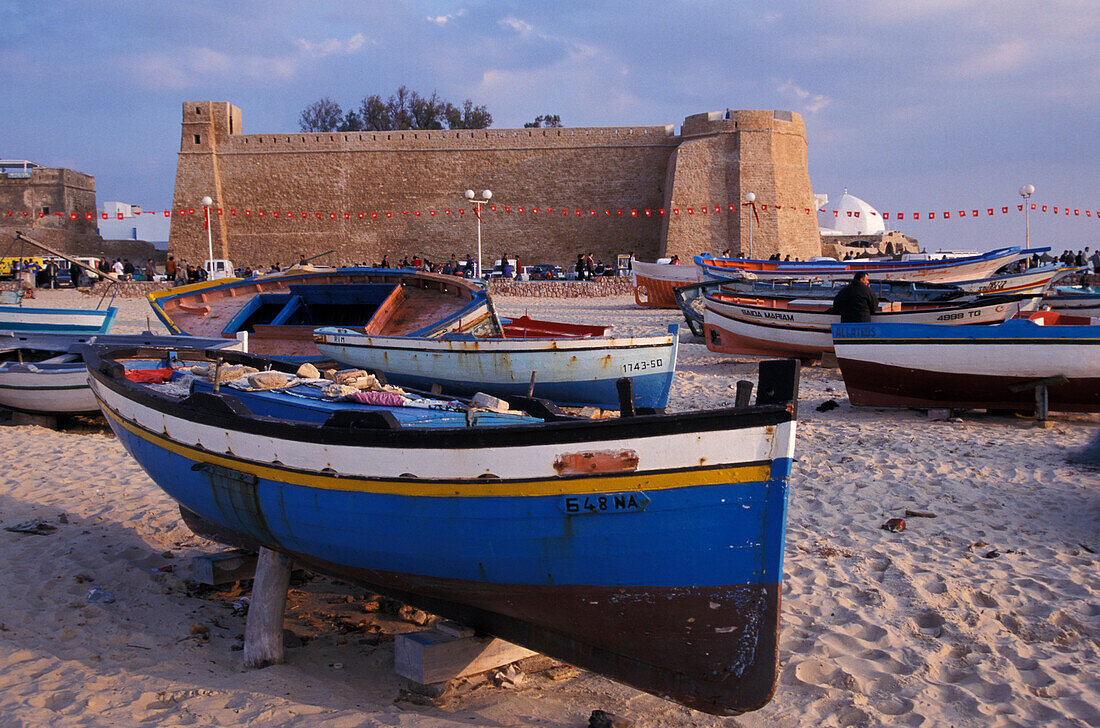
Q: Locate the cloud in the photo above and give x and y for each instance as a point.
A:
(444, 19)
(522, 27)
(591, 71)
(811, 102)
(999, 59)
(331, 46)
(192, 66)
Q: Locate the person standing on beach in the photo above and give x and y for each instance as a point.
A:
(856, 302)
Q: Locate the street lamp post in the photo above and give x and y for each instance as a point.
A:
(485, 194)
(206, 203)
(1026, 192)
(751, 199)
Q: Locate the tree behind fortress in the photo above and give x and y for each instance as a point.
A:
(405, 109)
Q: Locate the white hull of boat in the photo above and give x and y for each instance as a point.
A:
(653, 282)
(29, 388)
(573, 371)
(804, 330)
(935, 271)
(28, 319)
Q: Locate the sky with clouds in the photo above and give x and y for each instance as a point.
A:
(913, 105)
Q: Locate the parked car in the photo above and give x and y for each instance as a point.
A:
(544, 272)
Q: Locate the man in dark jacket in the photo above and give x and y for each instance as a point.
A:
(856, 301)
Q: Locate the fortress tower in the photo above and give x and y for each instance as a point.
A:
(366, 194)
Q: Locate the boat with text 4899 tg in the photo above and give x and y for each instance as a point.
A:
(647, 548)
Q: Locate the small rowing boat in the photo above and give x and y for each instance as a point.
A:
(44, 374)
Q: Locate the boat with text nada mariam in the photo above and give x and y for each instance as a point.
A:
(647, 548)
(770, 326)
(973, 367)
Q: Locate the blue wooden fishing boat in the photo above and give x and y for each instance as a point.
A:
(939, 270)
(574, 370)
(999, 366)
(648, 548)
(279, 312)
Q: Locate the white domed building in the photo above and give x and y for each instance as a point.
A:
(858, 229)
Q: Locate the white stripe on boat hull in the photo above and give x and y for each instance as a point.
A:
(761, 330)
(47, 392)
(520, 462)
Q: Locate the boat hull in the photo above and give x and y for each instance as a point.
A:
(279, 312)
(970, 367)
(928, 271)
(653, 569)
(47, 388)
(1077, 304)
(29, 319)
(569, 371)
(742, 326)
(654, 283)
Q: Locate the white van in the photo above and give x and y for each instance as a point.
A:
(219, 268)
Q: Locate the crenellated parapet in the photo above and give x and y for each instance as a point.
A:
(586, 168)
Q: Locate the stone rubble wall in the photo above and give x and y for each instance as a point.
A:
(600, 287)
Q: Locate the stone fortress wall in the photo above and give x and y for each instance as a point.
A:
(51, 197)
(397, 174)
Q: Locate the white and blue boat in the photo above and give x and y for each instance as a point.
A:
(40, 320)
(44, 373)
(576, 371)
(902, 268)
(648, 548)
(973, 367)
(1074, 300)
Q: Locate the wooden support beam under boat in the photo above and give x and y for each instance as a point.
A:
(263, 632)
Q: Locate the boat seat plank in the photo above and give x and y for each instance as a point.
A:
(269, 331)
(61, 359)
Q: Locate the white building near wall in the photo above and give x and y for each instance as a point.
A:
(128, 222)
(854, 217)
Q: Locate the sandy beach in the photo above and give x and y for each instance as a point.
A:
(984, 611)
